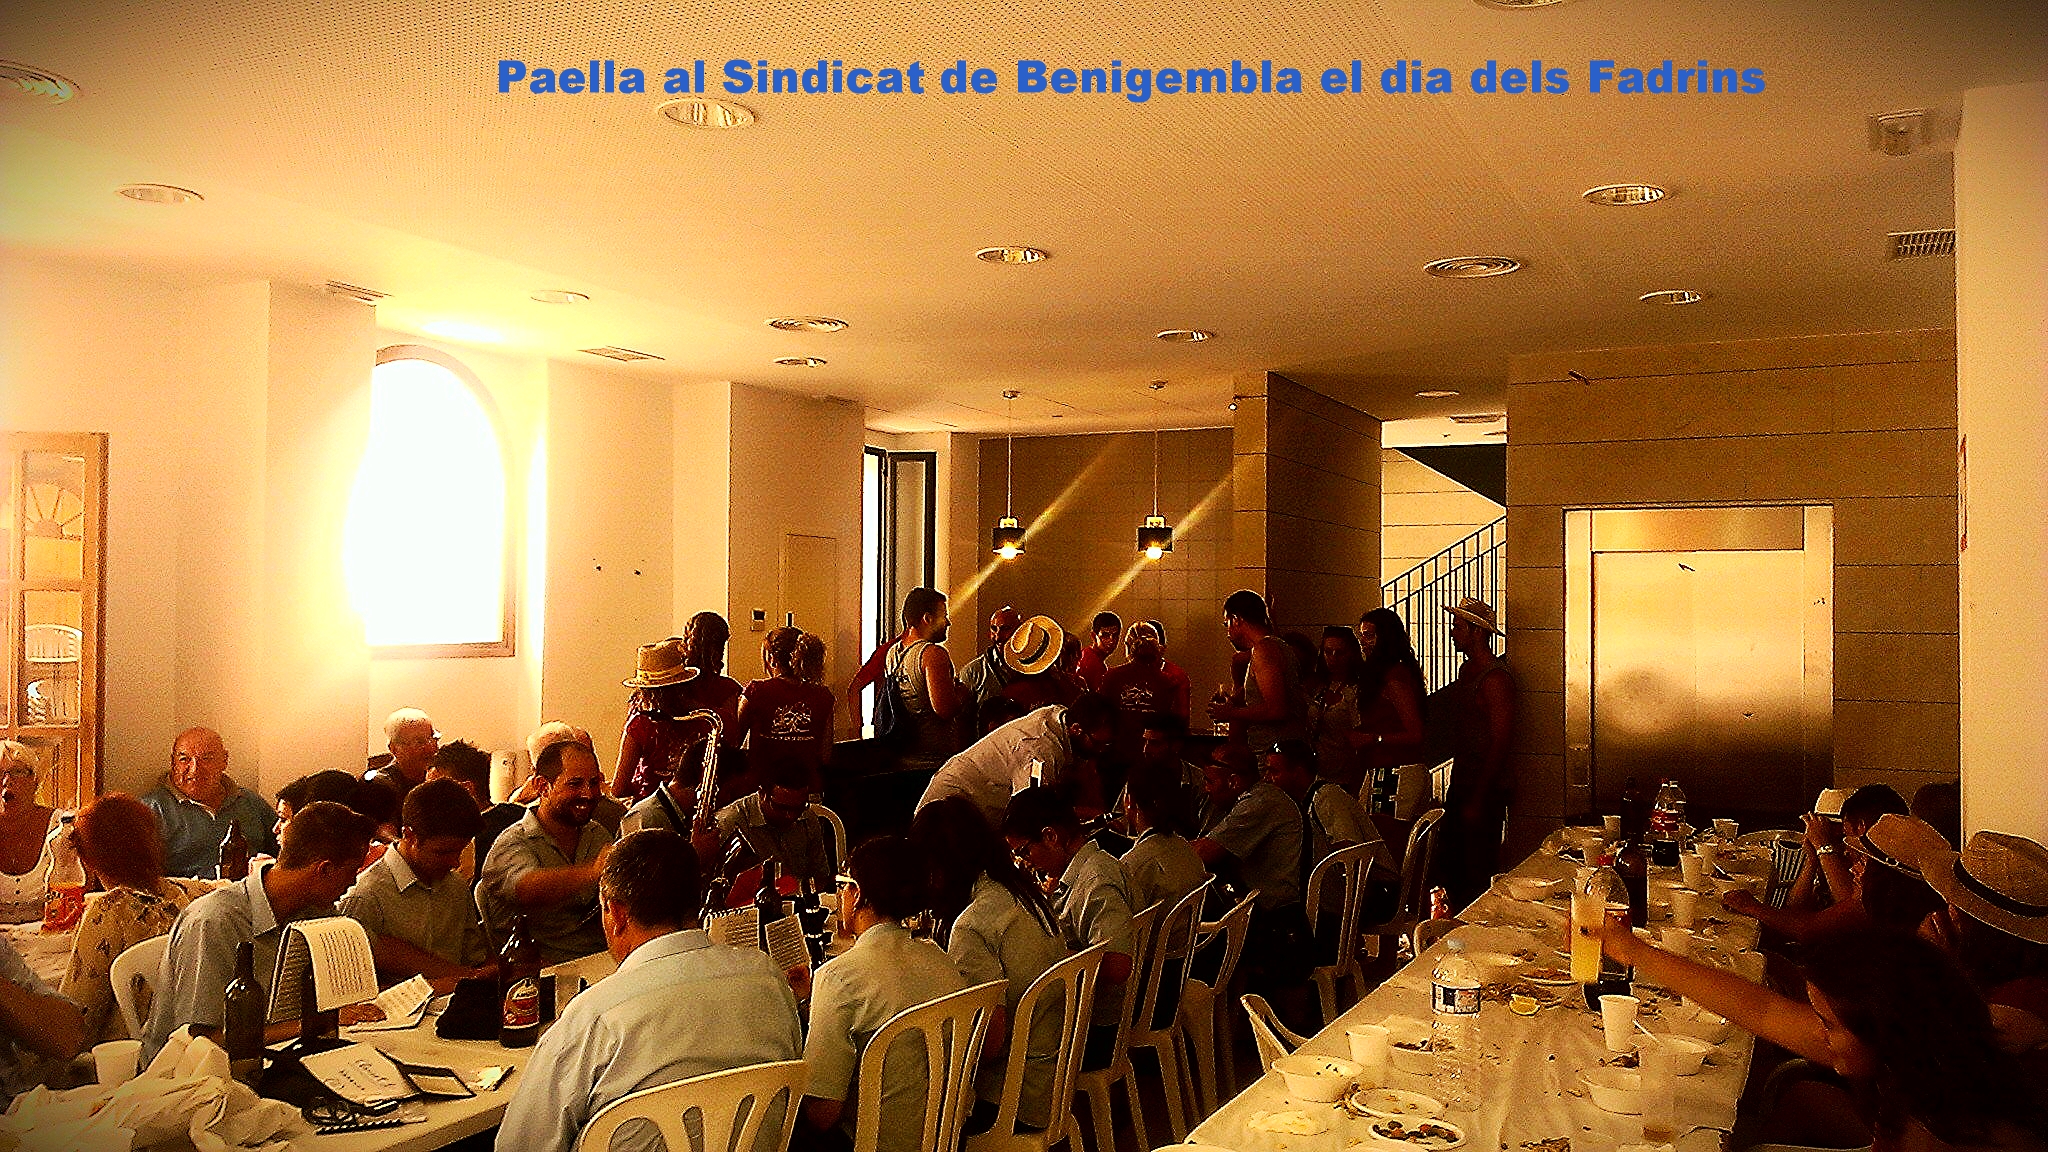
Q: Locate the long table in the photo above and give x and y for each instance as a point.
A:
(1530, 1065)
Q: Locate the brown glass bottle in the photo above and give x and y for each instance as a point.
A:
(242, 1018)
(234, 853)
(519, 978)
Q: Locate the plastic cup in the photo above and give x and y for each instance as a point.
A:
(1727, 829)
(1370, 1048)
(1676, 941)
(1618, 1021)
(115, 1061)
(1610, 826)
(1693, 869)
(1710, 857)
(1660, 1092)
(1685, 907)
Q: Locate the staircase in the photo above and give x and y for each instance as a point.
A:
(1474, 566)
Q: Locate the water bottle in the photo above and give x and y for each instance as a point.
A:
(1667, 824)
(1454, 1027)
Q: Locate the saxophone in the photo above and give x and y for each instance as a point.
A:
(704, 813)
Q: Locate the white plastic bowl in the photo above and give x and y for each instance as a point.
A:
(1614, 1089)
(1495, 967)
(1317, 1079)
(1408, 1030)
(1688, 1053)
(1528, 887)
(1702, 1025)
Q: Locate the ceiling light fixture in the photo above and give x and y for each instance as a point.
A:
(1672, 296)
(159, 194)
(1437, 393)
(1471, 267)
(19, 82)
(800, 362)
(559, 296)
(1185, 335)
(706, 112)
(1479, 418)
(806, 324)
(1155, 535)
(622, 355)
(1008, 538)
(1624, 195)
(1012, 254)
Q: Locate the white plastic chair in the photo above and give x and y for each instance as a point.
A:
(838, 834)
(1411, 904)
(1273, 1038)
(1205, 1014)
(731, 1106)
(1096, 1084)
(952, 1028)
(1173, 944)
(1068, 988)
(1428, 932)
(137, 964)
(1348, 868)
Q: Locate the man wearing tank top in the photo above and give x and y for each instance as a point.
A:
(920, 672)
(1272, 705)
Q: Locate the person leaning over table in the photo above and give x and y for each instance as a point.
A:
(120, 847)
(196, 801)
(678, 1006)
(547, 865)
(417, 910)
(323, 850)
(1894, 1018)
(885, 972)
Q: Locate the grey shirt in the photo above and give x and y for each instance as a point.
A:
(996, 938)
(1335, 818)
(885, 972)
(565, 931)
(1262, 833)
(1161, 868)
(200, 958)
(804, 848)
(679, 1006)
(389, 899)
(193, 832)
(1094, 904)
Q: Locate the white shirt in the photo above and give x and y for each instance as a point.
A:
(679, 1006)
(999, 765)
(885, 972)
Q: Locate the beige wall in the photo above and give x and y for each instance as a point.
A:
(2002, 363)
(1306, 531)
(1864, 422)
(1081, 499)
(1423, 512)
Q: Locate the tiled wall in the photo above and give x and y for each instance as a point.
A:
(1081, 499)
(1863, 422)
(1422, 512)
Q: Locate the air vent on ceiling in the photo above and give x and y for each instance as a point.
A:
(33, 85)
(355, 292)
(1471, 267)
(623, 355)
(1928, 242)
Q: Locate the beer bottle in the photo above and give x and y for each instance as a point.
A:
(767, 900)
(242, 1018)
(234, 853)
(519, 977)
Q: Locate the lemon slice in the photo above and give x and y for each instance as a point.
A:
(1522, 1005)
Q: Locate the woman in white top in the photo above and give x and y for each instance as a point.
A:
(24, 836)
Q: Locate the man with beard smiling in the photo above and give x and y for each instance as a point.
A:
(546, 866)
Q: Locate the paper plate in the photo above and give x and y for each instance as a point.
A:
(1385, 1102)
(1419, 1132)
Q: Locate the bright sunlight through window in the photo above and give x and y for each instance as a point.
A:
(424, 547)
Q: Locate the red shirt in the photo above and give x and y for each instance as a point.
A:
(1139, 689)
(1092, 668)
(786, 720)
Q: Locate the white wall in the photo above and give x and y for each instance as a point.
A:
(1423, 512)
(2002, 383)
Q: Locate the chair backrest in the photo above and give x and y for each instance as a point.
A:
(137, 964)
(1347, 867)
(1273, 1038)
(838, 834)
(731, 1105)
(1236, 927)
(1428, 932)
(1067, 987)
(1173, 942)
(1415, 862)
(1143, 925)
(953, 1028)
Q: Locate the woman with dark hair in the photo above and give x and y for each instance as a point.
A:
(120, 846)
(1390, 696)
(1333, 708)
(786, 720)
(1894, 1018)
(997, 925)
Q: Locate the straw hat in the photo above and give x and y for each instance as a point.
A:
(1905, 844)
(1830, 801)
(1034, 646)
(1474, 611)
(662, 664)
(2000, 879)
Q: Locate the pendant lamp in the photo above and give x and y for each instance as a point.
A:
(1008, 538)
(1155, 535)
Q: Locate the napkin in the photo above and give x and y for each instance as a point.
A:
(185, 1093)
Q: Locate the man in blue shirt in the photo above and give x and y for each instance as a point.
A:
(195, 802)
(679, 1005)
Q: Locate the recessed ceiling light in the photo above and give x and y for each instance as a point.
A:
(559, 296)
(1185, 335)
(19, 82)
(706, 112)
(623, 355)
(355, 292)
(806, 324)
(159, 194)
(1479, 418)
(1012, 254)
(1625, 195)
(801, 362)
(1672, 296)
(1436, 393)
(1471, 267)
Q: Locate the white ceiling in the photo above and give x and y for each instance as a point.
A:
(367, 143)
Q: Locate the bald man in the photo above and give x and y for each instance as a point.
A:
(196, 801)
(987, 676)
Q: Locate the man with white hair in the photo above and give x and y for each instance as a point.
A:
(410, 738)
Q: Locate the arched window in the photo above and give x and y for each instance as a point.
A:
(425, 546)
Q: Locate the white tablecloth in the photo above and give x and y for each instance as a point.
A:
(48, 954)
(1528, 1082)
